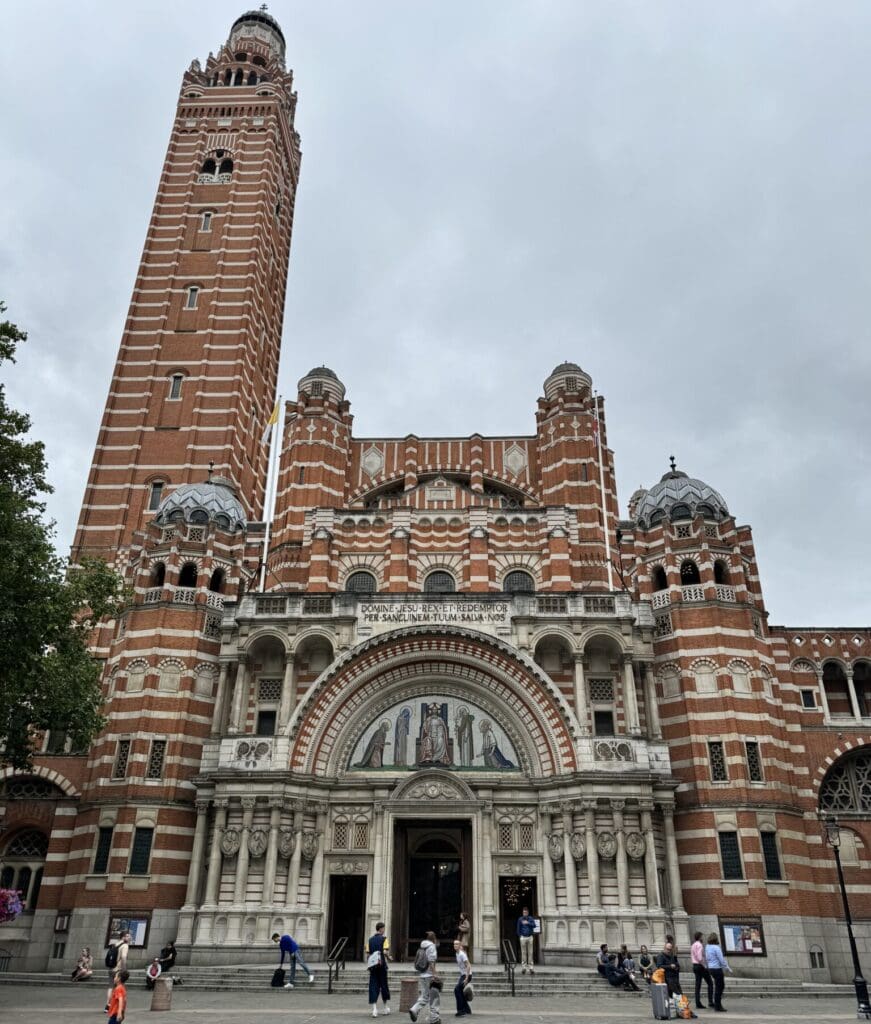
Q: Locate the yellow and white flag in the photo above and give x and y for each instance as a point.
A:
(270, 423)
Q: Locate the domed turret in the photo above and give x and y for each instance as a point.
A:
(567, 377)
(322, 381)
(260, 26)
(210, 501)
(677, 496)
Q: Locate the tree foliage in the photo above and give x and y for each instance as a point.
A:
(48, 677)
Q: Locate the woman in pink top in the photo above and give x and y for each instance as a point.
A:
(700, 970)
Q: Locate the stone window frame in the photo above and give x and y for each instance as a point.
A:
(753, 752)
(121, 762)
(772, 856)
(734, 835)
(155, 766)
(717, 762)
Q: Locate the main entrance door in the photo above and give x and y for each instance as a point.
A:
(433, 882)
(347, 910)
(515, 894)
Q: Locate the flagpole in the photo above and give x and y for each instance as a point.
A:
(602, 489)
(271, 485)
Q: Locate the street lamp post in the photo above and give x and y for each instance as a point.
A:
(832, 832)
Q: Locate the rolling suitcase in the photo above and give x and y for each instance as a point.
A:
(659, 998)
(278, 978)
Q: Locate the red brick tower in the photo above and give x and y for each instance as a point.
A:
(196, 374)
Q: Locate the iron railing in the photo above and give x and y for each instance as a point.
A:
(336, 961)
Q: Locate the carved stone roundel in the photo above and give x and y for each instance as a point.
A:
(635, 845)
(230, 842)
(286, 842)
(258, 840)
(607, 844)
(555, 848)
(309, 845)
(578, 846)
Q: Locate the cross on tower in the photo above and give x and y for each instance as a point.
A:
(673, 463)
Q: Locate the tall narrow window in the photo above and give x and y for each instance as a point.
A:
(140, 853)
(660, 580)
(754, 761)
(730, 856)
(717, 760)
(155, 493)
(190, 301)
(122, 756)
(206, 221)
(156, 757)
(771, 856)
(104, 845)
(175, 385)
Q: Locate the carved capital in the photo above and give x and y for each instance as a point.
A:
(222, 804)
(203, 806)
(248, 803)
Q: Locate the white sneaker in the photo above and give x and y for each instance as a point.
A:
(311, 979)
(288, 985)
(374, 1011)
(385, 1011)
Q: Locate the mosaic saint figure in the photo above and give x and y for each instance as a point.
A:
(373, 756)
(400, 736)
(434, 739)
(465, 737)
(493, 756)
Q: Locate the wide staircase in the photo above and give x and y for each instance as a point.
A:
(494, 980)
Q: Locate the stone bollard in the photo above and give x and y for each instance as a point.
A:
(161, 998)
(407, 994)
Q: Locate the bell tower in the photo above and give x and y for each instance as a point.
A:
(195, 379)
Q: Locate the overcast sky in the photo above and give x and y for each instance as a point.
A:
(673, 195)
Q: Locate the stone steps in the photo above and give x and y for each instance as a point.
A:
(489, 981)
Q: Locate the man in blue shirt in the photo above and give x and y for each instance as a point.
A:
(526, 937)
(290, 948)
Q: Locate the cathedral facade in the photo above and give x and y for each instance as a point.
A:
(448, 675)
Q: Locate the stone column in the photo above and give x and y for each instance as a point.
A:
(195, 870)
(248, 803)
(548, 880)
(489, 911)
(288, 695)
(318, 865)
(654, 725)
(651, 882)
(824, 701)
(629, 699)
(851, 689)
(592, 854)
(220, 702)
(581, 704)
(376, 900)
(213, 878)
(622, 861)
(240, 692)
(271, 852)
(291, 898)
(568, 860)
(671, 858)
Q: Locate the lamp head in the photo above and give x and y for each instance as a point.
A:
(832, 831)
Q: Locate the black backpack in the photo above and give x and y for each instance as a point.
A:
(421, 961)
(112, 956)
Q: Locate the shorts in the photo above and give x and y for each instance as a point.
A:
(112, 1020)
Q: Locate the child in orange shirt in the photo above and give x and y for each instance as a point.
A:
(118, 1000)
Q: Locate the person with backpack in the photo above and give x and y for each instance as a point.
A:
(116, 960)
(376, 951)
(428, 992)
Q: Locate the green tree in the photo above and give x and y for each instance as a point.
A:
(48, 677)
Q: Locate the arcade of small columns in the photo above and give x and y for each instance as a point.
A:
(570, 834)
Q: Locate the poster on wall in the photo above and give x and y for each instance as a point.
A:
(742, 936)
(136, 924)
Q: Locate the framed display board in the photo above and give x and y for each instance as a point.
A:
(135, 922)
(742, 936)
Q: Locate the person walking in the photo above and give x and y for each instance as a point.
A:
(117, 1006)
(667, 960)
(700, 970)
(428, 993)
(376, 951)
(290, 948)
(463, 1008)
(526, 938)
(116, 960)
(716, 964)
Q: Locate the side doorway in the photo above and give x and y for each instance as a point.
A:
(347, 913)
(515, 894)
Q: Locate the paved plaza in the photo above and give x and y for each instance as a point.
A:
(57, 1004)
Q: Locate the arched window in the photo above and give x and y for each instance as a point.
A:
(660, 580)
(22, 864)
(216, 583)
(228, 77)
(188, 575)
(155, 493)
(518, 582)
(705, 510)
(175, 386)
(847, 786)
(209, 168)
(252, 78)
(237, 79)
(206, 220)
(656, 516)
(439, 582)
(681, 511)
(689, 573)
(721, 571)
(259, 61)
(191, 296)
(158, 575)
(361, 583)
(225, 170)
(199, 516)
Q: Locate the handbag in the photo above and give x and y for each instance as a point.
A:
(468, 992)
(374, 959)
(436, 982)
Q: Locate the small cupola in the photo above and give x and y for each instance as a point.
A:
(320, 382)
(568, 378)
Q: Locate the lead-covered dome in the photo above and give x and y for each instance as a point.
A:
(210, 501)
(321, 380)
(567, 377)
(677, 496)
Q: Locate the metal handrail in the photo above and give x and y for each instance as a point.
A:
(5, 957)
(509, 960)
(336, 961)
